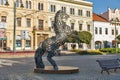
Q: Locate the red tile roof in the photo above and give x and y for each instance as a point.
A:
(98, 18)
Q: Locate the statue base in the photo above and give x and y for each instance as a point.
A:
(61, 70)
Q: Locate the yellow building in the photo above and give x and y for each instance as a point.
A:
(34, 18)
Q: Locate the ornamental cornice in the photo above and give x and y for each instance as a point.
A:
(77, 2)
(80, 21)
(4, 13)
(72, 21)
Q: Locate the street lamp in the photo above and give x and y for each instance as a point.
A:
(14, 31)
(115, 22)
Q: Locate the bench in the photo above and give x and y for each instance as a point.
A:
(106, 65)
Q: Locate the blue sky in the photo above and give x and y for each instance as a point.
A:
(100, 6)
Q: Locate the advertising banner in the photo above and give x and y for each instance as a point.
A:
(3, 25)
(2, 34)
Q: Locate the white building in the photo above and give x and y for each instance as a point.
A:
(104, 32)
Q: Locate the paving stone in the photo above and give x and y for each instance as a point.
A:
(22, 68)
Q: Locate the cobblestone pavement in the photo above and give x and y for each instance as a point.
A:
(22, 68)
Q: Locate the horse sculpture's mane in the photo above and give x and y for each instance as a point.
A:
(59, 24)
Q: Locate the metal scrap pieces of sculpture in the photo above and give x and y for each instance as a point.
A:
(50, 45)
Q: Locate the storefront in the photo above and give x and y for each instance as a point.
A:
(3, 39)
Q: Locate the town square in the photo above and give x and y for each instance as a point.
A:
(59, 39)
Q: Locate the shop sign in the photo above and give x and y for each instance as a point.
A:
(3, 25)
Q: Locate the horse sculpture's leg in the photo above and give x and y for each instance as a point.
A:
(49, 58)
(38, 58)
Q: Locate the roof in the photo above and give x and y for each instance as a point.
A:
(99, 18)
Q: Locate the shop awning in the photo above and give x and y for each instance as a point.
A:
(3, 38)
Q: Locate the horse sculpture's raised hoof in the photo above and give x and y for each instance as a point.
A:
(50, 45)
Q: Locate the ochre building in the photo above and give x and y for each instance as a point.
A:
(26, 23)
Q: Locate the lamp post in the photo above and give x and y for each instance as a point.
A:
(115, 22)
(14, 31)
(115, 38)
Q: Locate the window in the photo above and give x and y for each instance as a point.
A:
(40, 24)
(18, 21)
(18, 43)
(53, 8)
(88, 13)
(1, 2)
(21, 3)
(80, 26)
(80, 12)
(72, 26)
(28, 43)
(88, 27)
(100, 30)
(28, 4)
(52, 23)
(40, 6)
(106, 30)
(28, 22)
(112, 31)
(96, 30)
(17, 3)
(64, 9)
(3, 18)
(72, 11)
(116, 32)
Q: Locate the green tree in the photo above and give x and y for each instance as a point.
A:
(118, 37)
(73, 37)
(85, 37)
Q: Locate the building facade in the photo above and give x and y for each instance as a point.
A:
(80, 12)
(30, 21)
(111, 14)
(104, 32)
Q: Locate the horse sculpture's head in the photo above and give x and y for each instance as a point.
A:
(61, 16)
(59, 22)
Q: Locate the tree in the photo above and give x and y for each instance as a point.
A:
(85, 37)
(118, 37)
(73, 38)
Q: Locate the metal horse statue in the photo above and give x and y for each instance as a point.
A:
(50, 45)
